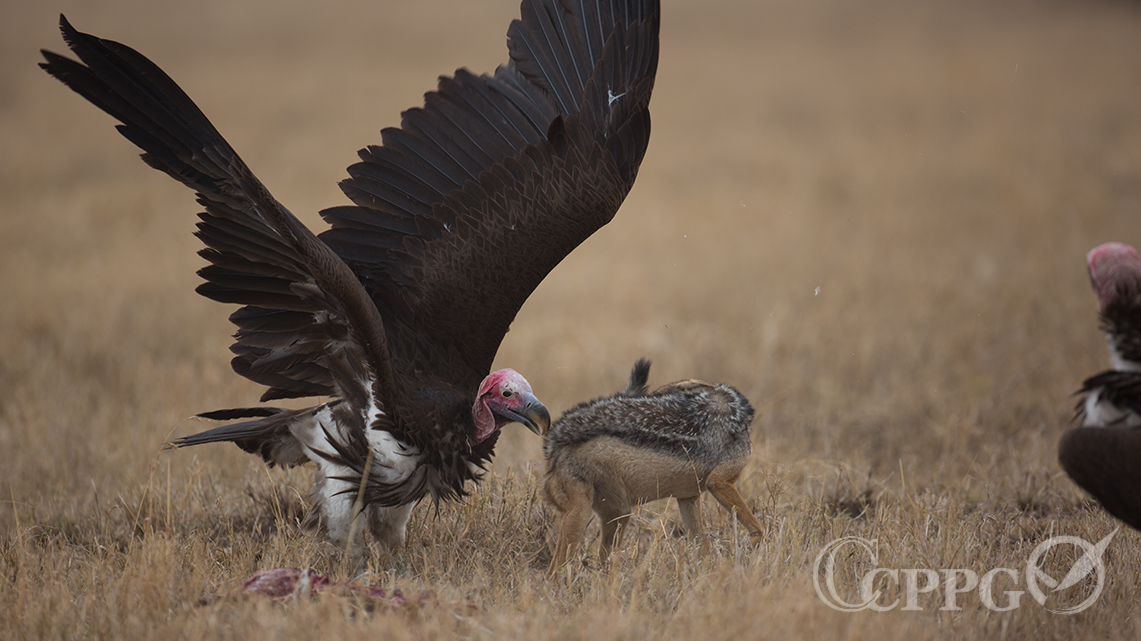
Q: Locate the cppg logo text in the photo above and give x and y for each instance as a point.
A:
(847, 577)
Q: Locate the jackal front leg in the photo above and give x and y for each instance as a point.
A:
(572, 498)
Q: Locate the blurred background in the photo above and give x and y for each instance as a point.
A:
(871, 217)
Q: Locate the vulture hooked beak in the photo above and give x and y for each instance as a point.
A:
(526, 409)
(535, 415)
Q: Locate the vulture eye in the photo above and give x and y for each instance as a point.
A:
(506, 393)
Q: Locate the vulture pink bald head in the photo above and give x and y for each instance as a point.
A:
(506, 397)
(1114, 270)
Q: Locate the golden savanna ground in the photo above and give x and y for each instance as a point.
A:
(871, 217)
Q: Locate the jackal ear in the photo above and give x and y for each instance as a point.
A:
(688, 385)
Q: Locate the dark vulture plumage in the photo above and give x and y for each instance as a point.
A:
(1103, 454)
(397, 310)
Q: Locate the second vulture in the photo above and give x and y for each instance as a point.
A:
(1103, 454)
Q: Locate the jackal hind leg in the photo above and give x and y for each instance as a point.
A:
(690, 509)
(692, 523)
(613, 527)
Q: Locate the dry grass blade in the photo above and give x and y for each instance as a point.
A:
(358, 507)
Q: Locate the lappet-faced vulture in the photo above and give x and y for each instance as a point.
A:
(396, 311)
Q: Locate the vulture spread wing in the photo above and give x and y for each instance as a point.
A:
(307, 322)
(480, 193)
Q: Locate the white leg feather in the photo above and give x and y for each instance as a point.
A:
(393, 462)
(1101, 413)
(389, 524)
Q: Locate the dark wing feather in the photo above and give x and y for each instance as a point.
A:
(1104, 462)
(301, 301)
(469, 205)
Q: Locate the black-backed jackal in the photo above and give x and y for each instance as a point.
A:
(610, 454)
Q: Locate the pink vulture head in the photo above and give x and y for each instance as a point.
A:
(1114, 271)
(506, 397)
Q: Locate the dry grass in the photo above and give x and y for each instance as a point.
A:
(937, 169)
